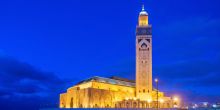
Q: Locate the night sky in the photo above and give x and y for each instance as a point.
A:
(47, 46)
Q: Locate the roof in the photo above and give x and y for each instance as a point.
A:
(112, 80)
(143, 12)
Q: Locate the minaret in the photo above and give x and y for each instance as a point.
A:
(143, 57)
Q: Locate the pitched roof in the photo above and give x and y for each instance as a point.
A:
(112, 80)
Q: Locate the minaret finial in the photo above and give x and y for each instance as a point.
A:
(143, 7)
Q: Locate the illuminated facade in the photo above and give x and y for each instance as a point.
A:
(143, 57)
(114, 92)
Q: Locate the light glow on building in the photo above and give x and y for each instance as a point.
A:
(115, 92)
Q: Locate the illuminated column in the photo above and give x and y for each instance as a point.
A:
(143, 57)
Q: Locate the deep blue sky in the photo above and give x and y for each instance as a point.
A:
(48, 45)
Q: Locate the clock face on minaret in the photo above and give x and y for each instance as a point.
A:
(143, 57)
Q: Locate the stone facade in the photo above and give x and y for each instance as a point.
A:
(98, 92)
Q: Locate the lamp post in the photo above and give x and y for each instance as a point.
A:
(175, 100)
(156, 80)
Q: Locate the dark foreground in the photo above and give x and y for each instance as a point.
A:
(126, 109)
(102, 109)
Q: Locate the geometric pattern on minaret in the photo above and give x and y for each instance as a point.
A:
(143, 57)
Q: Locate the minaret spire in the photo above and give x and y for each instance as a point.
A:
(143, 12)
(142, 7)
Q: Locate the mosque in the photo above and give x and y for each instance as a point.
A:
(115, 92)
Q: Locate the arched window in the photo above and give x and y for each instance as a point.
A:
(168, 105)
(71, 103)
(140, 105)
(80, 106)
(127, 104)
(107, 106)
(96, 106)
(63, 104)
(135, 105)
(143, 105)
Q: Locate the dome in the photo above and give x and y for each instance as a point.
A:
(143, 13)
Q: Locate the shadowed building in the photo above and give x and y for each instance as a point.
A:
(114, 92)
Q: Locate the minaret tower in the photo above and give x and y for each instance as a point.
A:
(143, 57)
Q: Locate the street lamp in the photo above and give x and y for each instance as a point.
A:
(176, 101)
(156, 80)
